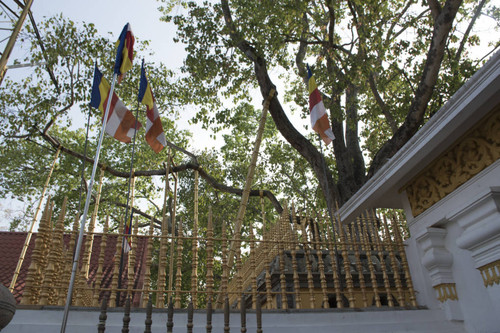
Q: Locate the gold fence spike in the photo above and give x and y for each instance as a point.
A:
(282, 256)
(116, 267)
(178, 278)
(375, 234)
(404, 262)
(333, 255)
(307, 257)
(100, 262)
(253, 268)
(347, 265)
(356, 243)
(68, 262)
(363, 226)
(210, 257)
(295, 267)
(194, 250)
(395, 269)
(131, 259)
(147, 273)
(321, 266)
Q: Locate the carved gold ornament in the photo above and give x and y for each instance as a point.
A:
(446, 291)
(471, 154)
(491, 273)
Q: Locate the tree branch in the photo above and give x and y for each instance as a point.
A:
(435, 8)
(156, 221)
(477, 13)
(58, 113)
(395, 21)
(415, 116)
(385, 110)
(178, 168)
(301, 53)
(396, 35)
(283, 124)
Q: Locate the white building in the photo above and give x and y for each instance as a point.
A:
(447, 180)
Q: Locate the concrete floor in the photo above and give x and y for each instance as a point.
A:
(48, 319)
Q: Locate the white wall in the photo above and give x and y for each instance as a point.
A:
(468, 223)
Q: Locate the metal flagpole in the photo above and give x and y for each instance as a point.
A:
(120, 271)
(84, 160)
(330, 213)
(86, 209)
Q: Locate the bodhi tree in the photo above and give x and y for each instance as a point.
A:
(42, 113)
(384, 67)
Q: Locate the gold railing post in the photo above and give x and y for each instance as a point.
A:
(30, 232)
(395, 269)
(282, 255)
(368, 250)
(194, 250)
(321, 265)
(178, 278)
(239, 273)
(49, 291)
(90, 234)
(68, 261)
(147, 274)
(225, 273)
(333, 256)
(100, 262)
(30, 295)
(268, 265)
(210, 257)
(253, 268)
(294, 247)
(116, 268)
(404, 261)
(356, 234)
(347, 264)
(131, 260)
(307, 259)
(387, 285)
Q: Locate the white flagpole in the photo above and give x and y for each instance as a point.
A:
(86, 209)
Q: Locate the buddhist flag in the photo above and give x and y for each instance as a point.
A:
(154, 129)
(125, 52)
(121, 122)
(319, 118)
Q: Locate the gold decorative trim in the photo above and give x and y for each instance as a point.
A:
(490, 273)
(468, 156)
(446, 291)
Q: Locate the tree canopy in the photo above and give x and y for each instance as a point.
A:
(383, 68)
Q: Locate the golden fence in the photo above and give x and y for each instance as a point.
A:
(300, 262)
